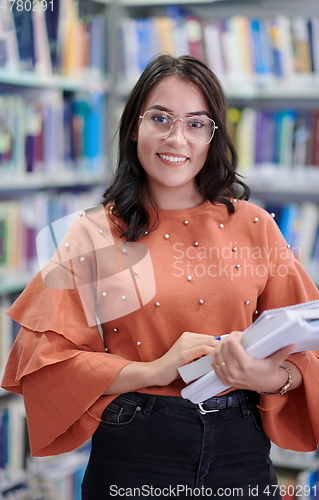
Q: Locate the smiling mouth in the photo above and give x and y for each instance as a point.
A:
(173, 159)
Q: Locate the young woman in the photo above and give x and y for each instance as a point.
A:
(143, 284)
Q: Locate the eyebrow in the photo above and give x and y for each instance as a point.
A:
(192, 113)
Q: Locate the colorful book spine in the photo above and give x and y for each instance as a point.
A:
(283, 138)
(21, 222)
(56, 40)
(40, 133)
(255, 51)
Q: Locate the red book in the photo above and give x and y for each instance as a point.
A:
(194, 37)
(315, 140)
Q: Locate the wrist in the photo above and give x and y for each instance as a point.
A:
(285, 387)
(134, 376)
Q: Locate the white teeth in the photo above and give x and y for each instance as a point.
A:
(174, 159)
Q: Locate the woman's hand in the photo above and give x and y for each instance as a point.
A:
(236, 368)
(162, 371)
(187, 348)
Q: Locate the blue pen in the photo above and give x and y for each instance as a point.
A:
(219, 338)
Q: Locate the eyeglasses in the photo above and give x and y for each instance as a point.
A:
(196, 129)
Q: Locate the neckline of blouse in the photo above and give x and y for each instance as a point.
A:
(187, 212)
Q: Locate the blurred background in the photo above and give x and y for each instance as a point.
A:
(66, 68)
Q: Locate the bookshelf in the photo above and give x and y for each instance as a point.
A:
(54, 141)
(38, 181)
(113, 80)
(274, 186)
(29, 79)
(267, 58)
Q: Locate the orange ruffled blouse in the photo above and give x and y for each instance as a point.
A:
(101, 303)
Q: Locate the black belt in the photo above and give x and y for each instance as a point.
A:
(216, 403)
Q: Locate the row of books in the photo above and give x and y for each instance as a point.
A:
(286, 137)
(297, 459)
(25, 478)
(44, 132)
(21, 221)
(237, 48)
(303, 485)
(8, 332)
(61, 477)
(51, 38)
(299, 224)
(14, 446)
(297, 472)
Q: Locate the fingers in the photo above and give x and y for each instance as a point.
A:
(229, 352)
(202, 337)
(219, 367)
(199, 338)
(195, 353)
(235, 367)
(194, 345)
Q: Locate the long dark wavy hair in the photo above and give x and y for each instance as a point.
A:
(216, 181)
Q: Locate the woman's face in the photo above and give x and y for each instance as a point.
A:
(172, 162)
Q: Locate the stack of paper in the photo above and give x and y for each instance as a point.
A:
(273, 330)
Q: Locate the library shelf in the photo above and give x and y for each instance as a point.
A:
(282, 186)
(89, 83)
(36, 181)
(296, 460)
(147, 3)
(3, 392)
(291, 182)
(14, 282)
(249, 90)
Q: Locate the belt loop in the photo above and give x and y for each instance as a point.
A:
(149, 405)
(243, 403)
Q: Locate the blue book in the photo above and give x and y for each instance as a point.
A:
(288, 222)
(24, 32)
(77, 482)
(2, 464)
(145, 36)
(5, 434)
(275, 48)
(96, 46)
(93, 128)
(52, 24)
(261, 48)
(284, 120)
(315, 251)
(266, 143)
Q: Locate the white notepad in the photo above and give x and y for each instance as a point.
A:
(273, 330)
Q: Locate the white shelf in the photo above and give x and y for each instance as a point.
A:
(277, 179)
(277, 89)
(89, 82)
(268, 93)
(36, 181)
(148, 3)
(10, 480)
(13, 282)
(2, 391)
(297, 463)
(297, 460)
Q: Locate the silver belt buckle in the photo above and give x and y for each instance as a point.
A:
(203, 411)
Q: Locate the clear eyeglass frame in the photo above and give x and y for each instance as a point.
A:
(215, 127)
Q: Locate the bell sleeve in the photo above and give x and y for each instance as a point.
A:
(58, 361)
(291, 421)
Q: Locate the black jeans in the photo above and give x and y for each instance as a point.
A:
(147, 446)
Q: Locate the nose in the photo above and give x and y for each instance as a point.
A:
(177, 132)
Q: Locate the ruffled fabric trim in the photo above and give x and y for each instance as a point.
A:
(60, 383)
(292, 421)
